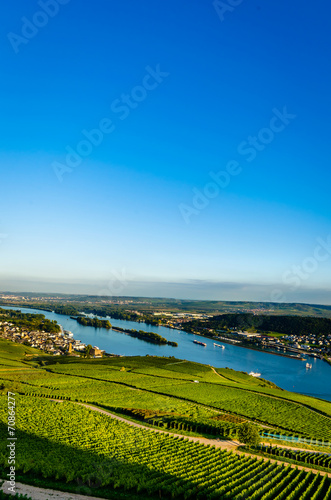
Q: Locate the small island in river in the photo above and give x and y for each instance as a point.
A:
(152, 337)
(95, 322)
(155, 338)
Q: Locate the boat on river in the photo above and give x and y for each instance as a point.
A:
(280, 369)
(255, 374)
(219, 345)
(309, 366)
(199, 343)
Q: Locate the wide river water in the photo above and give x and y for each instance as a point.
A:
(287, 373)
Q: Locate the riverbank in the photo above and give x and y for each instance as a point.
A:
(95, 317)
(328, 360)
(283, 371)
(252, 348)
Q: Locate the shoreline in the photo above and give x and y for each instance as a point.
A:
(251, 348)
(188, 333)
(269, 352)
(301, 358)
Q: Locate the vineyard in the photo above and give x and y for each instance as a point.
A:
(277, 412)
(216, 426)
(320, 459)
(165, 386)
(291, 416)
(71, 444)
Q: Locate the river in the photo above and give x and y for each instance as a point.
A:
(288, 373)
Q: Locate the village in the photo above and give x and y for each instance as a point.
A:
(62, 343)
(58, 344)
(294, 345)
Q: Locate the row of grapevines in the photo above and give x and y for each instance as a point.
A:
(321, 459)
(67, 442)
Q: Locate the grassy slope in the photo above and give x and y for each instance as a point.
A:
(165, 386)
(69, 442)
(82, 449)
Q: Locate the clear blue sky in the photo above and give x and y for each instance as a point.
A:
(178, 93)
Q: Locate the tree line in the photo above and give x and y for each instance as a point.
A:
(29, 321)
(287, 325)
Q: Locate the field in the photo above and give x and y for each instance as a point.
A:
(65, 443)
(69, 443)
(165, 387)
(238, 393)
(321, 460)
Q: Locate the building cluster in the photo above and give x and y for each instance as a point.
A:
(292, 345)
(301, 344)
(255, 310)
(22, 298)
(51, 343)
(177, 320)
(118, 301)
(310, 343)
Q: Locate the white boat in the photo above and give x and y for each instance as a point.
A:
(255, 374)
(309, 365)
(219, 345)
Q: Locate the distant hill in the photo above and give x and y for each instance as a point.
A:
(290, 325)
(148, 305)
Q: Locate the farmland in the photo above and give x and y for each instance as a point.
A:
(242, 396)
(321, 460)
(165, 388)
(63, 443)
(70, 444)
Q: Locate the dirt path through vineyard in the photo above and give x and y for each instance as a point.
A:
(218, 443)
(49, 494)
(45, 494)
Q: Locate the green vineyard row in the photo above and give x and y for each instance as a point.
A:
(70, 443)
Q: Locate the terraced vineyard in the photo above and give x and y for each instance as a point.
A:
(166, 386)
(303, 416)
(69, 443)
(320, 459)
(64, 443)
(264, 408)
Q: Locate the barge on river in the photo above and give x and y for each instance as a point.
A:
(199, 343)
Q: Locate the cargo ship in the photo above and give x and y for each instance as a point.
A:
(200, 343)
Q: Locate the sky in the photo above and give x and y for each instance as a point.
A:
(175, 149)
